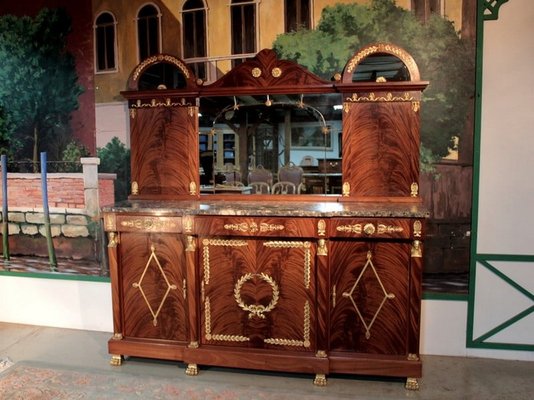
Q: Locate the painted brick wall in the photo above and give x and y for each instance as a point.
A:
(64, 190)
(106, 190)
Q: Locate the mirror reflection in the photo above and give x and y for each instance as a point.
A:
(381, 66)
(271, 144)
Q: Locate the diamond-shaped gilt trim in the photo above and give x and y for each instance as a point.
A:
(139, 285)
(368, 264)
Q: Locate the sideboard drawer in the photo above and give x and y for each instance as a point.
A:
(145, 223)
(379, 228)
(256, 226)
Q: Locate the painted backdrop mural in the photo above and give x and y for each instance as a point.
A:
(445, 56)
(212, 36)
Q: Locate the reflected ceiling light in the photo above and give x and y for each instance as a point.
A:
(268, 102)
(338, 106)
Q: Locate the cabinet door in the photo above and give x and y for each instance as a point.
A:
(258, 293)
(164, 143)
(381, 147)
(370, 297)
(152, 274)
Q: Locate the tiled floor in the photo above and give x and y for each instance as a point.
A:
(64, 266)
(443, 377)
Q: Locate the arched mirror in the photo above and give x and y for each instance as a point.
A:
(381, 67)
(162, 76)
(380, 62)
(161, 72)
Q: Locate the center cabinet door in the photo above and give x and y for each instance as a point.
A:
(258, 293)
(152, 271)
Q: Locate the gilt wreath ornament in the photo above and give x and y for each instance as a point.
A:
(256, 310)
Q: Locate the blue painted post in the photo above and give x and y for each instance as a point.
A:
(5, 226)
(46, 213)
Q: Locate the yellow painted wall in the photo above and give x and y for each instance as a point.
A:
(453, 12)
(407, 4)
(270, 23)
(218, 29)
(109, 84)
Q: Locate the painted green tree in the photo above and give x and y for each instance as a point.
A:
(115, 158)
(443, 58)
(38, 83)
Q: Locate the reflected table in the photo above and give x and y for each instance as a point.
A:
(322, 183)
(225, 189)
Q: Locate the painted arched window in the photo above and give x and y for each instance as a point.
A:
(194, 35)
(298, 15)
(105, 44)
(424, 9)
(243, 20)
(148, 31)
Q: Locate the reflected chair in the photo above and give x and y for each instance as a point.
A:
(284, 187)
(231, 174)
(308, 161)
(232, 177)
(292, 173)
(260, 174)
(260, 188)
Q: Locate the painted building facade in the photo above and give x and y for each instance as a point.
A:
(209, 35)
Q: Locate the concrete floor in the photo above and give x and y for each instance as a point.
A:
(443, 377)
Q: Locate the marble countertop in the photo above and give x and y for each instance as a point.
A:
(270, 208)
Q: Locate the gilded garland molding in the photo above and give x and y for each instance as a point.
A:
(375, 48)
(160, 58)
(206, 252)
(305, 342)
(491, 9)
(256, 310)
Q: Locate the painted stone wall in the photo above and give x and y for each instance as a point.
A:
(74, 202)
(74, 234)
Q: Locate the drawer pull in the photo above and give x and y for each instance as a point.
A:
(369, 229)
(356, 228)
(254, 227)
(389, 229)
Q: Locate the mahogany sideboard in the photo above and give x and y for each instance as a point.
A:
(316, 284)
(317, 288)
